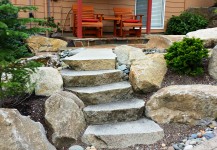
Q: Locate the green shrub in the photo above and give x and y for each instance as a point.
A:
(186, 56)
(186, 22)
(15, 75)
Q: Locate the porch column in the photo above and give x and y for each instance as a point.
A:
(148, 21)
(79, 19)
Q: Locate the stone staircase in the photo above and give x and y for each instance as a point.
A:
(116, 118)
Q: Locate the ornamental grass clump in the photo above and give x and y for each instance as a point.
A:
(186, 56)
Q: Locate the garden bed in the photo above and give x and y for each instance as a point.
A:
(34, 107)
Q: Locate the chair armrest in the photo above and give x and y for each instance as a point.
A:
(99, 16)
(140, 17)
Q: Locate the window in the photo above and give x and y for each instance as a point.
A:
(157, 18)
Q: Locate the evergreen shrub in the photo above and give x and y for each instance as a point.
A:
(14, 75)
(186, 56)
(186, 22)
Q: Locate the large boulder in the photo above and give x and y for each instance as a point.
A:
(44, 44)
(212, 68)
(209, 36)
(159, 42)
(146, 75)
(188, 104)
(127, 54)
(19, 132)
(64, 116)
(47, 81)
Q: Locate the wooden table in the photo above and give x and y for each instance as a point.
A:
(112, 18)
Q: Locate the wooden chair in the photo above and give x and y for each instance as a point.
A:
(128, 20)
(91, 23)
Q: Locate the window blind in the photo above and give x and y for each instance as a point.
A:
(157, 17)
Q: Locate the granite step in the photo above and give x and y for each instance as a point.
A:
(92, 59)
(90, 78)
(103, 93)
(123, 134)
(129, 110)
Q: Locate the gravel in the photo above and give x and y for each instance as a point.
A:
(174, 133)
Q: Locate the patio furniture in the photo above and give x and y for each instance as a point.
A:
(112, 18)
(91, 23)
(127, 20)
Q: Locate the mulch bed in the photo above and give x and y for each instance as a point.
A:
(34, 107)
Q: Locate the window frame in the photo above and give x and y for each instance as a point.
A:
(163, 16)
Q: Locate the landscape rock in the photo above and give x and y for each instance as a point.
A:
(207, 145)
(65, 118)
(76, 147)
(43, 44)
(47, 60)
(147, 75)
(48, 81)
(21, 133)
(73, 78)
(188, 104)
(188, 147)
(123, 134)
(122, 67)
(104, 93)
(67, 52)
(159, 42)
(127, 54)
(212, 68)
(92, 59)
(209, 36)
(120, 111)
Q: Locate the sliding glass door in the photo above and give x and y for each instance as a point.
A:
(158, 9)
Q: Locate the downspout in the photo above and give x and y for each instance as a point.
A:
(149, 13)
(79, 19)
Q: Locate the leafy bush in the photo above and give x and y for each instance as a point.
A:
(14, 75)
(186, 56)
(186, 22)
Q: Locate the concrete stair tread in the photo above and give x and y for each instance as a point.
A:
(101, 88)
(93, 54)
(68, 72)
(123, 134)
(119, 105)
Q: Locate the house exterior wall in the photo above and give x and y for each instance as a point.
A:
(60, 8)
(175, 7)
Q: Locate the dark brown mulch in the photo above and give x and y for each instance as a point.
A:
(172, 78)
(34, 107)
